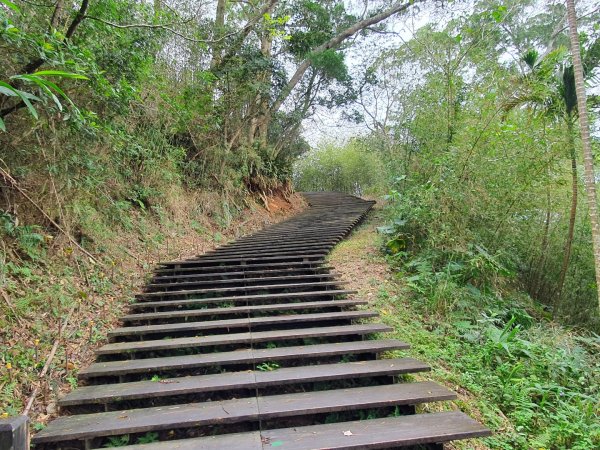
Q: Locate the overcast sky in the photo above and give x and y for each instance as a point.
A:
(329, 125)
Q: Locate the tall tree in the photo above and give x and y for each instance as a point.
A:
(584, 125)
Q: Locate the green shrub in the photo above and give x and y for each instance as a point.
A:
(352, 169)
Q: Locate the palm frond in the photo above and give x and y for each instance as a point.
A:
(530, 58)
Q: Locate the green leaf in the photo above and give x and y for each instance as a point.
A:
(57, 89)
(11, 5)
(30, 107)
(6, 91)
(59, 73)
(44, 86)
(2, 126)
(17, 93)
(25, 96)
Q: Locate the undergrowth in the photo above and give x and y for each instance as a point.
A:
(52, 294)
(535, 383)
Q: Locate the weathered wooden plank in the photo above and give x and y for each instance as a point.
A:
(265, 253)
(239, 380)
(239, 410)
(236, 310)
(389, 432)
(220, 268)
(239, 338)
(246, 356)
(251, 273)
(238, 323)
(240, 441)
(260, 248)
(241, 298)
(168, 284)
(352, 399)
(225, 290)
(267, 242)
(248, 259)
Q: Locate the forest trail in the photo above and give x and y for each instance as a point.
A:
(255, 345)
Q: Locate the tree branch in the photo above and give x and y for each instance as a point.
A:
(78, 18)
(166, 27)
(334, 43)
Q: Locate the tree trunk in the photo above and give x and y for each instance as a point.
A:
(218, 34)
(263, 101)
(56, 16)
(233, 47)
(569, 243)
(584, 125)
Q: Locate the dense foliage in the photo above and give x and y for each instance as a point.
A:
(487, 227)
(352, 168)
(481, 158)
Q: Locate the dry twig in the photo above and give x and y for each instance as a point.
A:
(9, 180)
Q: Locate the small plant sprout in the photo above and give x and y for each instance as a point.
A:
(36, 344)
(268, 367)
(9, 368)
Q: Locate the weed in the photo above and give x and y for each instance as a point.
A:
(72, 381)
(117, 441)
(268, 366)
(148, 438)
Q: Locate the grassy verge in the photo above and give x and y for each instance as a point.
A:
(534, 383)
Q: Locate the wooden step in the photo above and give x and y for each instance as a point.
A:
(168, 284)
(241, 298)
(246, 259)
(247, 322)
(237, 310)
(251, 273)
(240, 441)
(267, 242)
(246, 356)
(266, 253)
(193, 415)
(271, 246)
(389, 432)
(240, 338)
(108, 393)
(312, 235)
(237, 267)
(225, 290)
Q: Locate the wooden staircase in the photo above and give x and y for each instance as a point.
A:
(255, 345)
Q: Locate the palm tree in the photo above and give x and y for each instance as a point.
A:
(588, 158)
